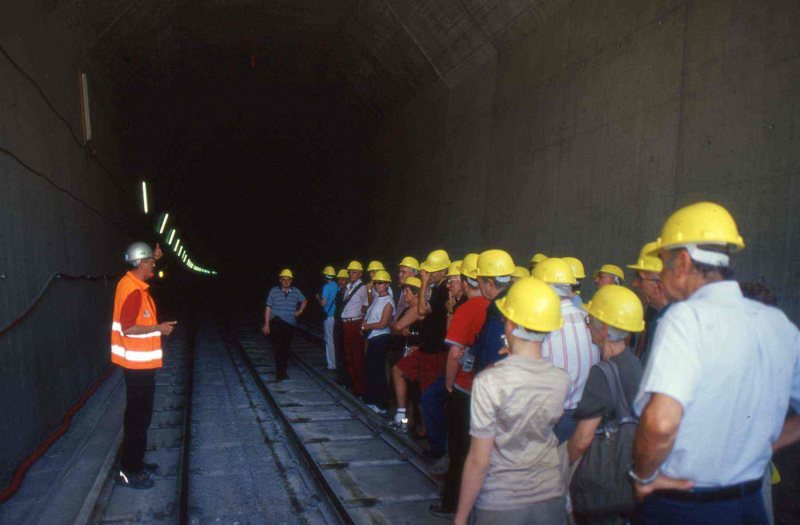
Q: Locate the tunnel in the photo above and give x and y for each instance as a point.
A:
(272, 134)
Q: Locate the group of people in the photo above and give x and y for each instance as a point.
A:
(659, 405)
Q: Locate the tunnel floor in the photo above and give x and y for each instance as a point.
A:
(254, 451)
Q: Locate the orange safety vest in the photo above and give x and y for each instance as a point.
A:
(140, 351)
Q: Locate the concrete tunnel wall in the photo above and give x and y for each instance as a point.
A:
(583, 126)
(51, 357)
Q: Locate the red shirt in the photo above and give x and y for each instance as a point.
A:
(130, 309)
(464, 328)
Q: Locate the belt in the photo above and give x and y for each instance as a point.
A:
(351, 319)
(712, 494)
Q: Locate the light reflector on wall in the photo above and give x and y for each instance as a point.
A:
(86, 119)
(171, 236)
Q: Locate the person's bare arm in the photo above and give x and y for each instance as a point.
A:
(137, 329)
(451, 370)
(422, 306)
(655, 437)
(265, 328)
(475, 469)
(582, 438)
(790, 434)
(302, 308)
(407, 319)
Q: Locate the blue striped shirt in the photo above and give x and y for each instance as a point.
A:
(284, 304)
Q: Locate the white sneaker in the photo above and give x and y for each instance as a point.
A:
(375, 409)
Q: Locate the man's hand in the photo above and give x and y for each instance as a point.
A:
(157, 253)
(167, 328)
(265, 329)
(424, 276)
(662, 482)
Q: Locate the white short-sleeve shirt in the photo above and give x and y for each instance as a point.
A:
(734, 365)
(353, 308)
(375, 312)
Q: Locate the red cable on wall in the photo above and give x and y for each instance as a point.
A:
(22, 469)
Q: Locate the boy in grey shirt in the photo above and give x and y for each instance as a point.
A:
(514, 474)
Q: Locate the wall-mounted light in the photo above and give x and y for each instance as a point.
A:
(144, 198)
(163, 223)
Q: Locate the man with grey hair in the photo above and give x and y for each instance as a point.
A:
(722, 372)
(570, 348)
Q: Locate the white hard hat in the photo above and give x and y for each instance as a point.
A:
(136, 252)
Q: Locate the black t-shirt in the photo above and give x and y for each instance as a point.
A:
(596, 399)
(337, 312)
(434, 327)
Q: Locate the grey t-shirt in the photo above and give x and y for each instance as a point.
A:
(596, 400)
(517, 402)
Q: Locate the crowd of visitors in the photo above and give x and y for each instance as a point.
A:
(661, 404)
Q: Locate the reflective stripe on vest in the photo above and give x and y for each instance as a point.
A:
(137, 351)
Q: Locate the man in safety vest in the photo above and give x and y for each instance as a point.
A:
(136, 347)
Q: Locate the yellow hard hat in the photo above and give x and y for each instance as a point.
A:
(700, 223)
(495, 263)
(355, 265)
(411, 262)
(537, 258)
(329, 271)
(532, 304)
(554, 271)
(469, 266)
(342, 274)
(617, 306)
(437, 260)
(521, 271)
(612, 269)
(374, 266)
(454, 270)
(577, 267)
(647, 262)
(382, 276)
(413, 281)
(286, 272)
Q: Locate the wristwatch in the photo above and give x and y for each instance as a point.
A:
(645, 481)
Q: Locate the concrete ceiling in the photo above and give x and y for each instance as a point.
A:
(375, 54)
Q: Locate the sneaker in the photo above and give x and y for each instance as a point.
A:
(439, 511)
(440, 467)
(400, 426)
(376, 409)
(139, 480)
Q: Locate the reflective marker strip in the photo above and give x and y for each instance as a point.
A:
(132, 355)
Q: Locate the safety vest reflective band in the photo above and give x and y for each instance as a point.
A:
(139, 351)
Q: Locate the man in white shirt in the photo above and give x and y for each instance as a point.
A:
(714, 395)
(355, 304)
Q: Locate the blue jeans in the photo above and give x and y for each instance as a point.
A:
(432, 406)
(746, 510)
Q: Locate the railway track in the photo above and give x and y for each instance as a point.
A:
(368, 472)
(235, 446)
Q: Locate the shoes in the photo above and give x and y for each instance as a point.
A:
(400, 426)
(376, 409)
(138, 480)
(440, 467)
(151, 468)
(441, 512)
